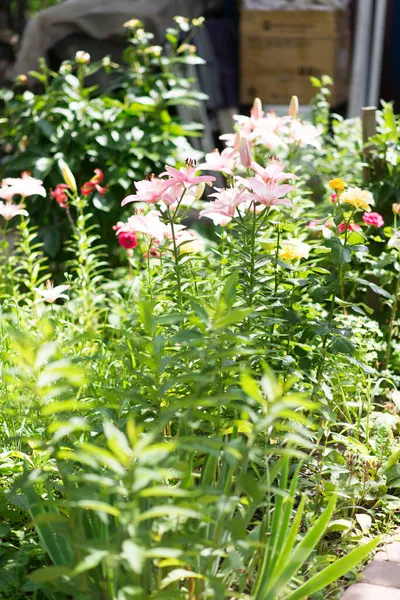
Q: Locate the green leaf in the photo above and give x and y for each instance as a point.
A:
(333, 572)
(99, 506)
(340, 254)
(302, 551)
(135, 555)
(92, 560)
(230, 289)
(341, 345)
(179, 575)
(49, 574)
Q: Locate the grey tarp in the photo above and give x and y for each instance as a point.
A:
(99, 19)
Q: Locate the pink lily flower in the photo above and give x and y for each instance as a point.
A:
(222, 210)
(304, 134)
(186, 176)
(151, 190)
(274, 170)
(215, 161)
(148, 224)
(24, 186)
(269, 193)
(178, 230)
(9, 210)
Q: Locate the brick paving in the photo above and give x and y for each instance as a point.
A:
(380, 580)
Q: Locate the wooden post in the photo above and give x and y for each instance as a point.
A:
(368, 119)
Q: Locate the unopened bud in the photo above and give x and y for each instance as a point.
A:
(236, 142)
(133, 24)
(22, 78)
(68, 176)
(198, 22)
(82, 57)
(200, 190)
(396, 209)
(245, 153)
(294, 107)
(257, 110)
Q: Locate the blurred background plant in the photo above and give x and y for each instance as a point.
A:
(129, 128)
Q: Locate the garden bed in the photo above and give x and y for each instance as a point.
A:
(205, 407)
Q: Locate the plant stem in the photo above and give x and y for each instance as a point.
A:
(176, 259)
(392, 321)
(252, 256)
(278, 241)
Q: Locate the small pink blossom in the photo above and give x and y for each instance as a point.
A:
(51, 294)
(224, 162)
(186, 176)
(333, 198)
(9, 210)
(151, 190)
(374, 219)
(222, 210)
(316, 225)
(350, 227)
(23, 186)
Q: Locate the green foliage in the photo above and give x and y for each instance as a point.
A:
(213, 419)
(129, 130)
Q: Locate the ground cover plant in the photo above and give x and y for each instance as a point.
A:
(217, 417)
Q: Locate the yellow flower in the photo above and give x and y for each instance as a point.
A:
(337, 184)
(294, 250)
(358, 198)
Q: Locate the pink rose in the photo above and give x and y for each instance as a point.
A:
(350, 227)
(374, 219)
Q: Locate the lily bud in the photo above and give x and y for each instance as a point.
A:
(245, 153)
(257, 110)
(200, 190)
(67, 176)
(294, 107)
(236, 143)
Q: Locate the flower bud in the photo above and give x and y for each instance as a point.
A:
(22, 79)
(82, 57)
(396, 209)
(294, 107)
(198, 22)
(236, 143)
(245, 153)
(133, 24)
(200, 190)
(257, 110)
(67, 176)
